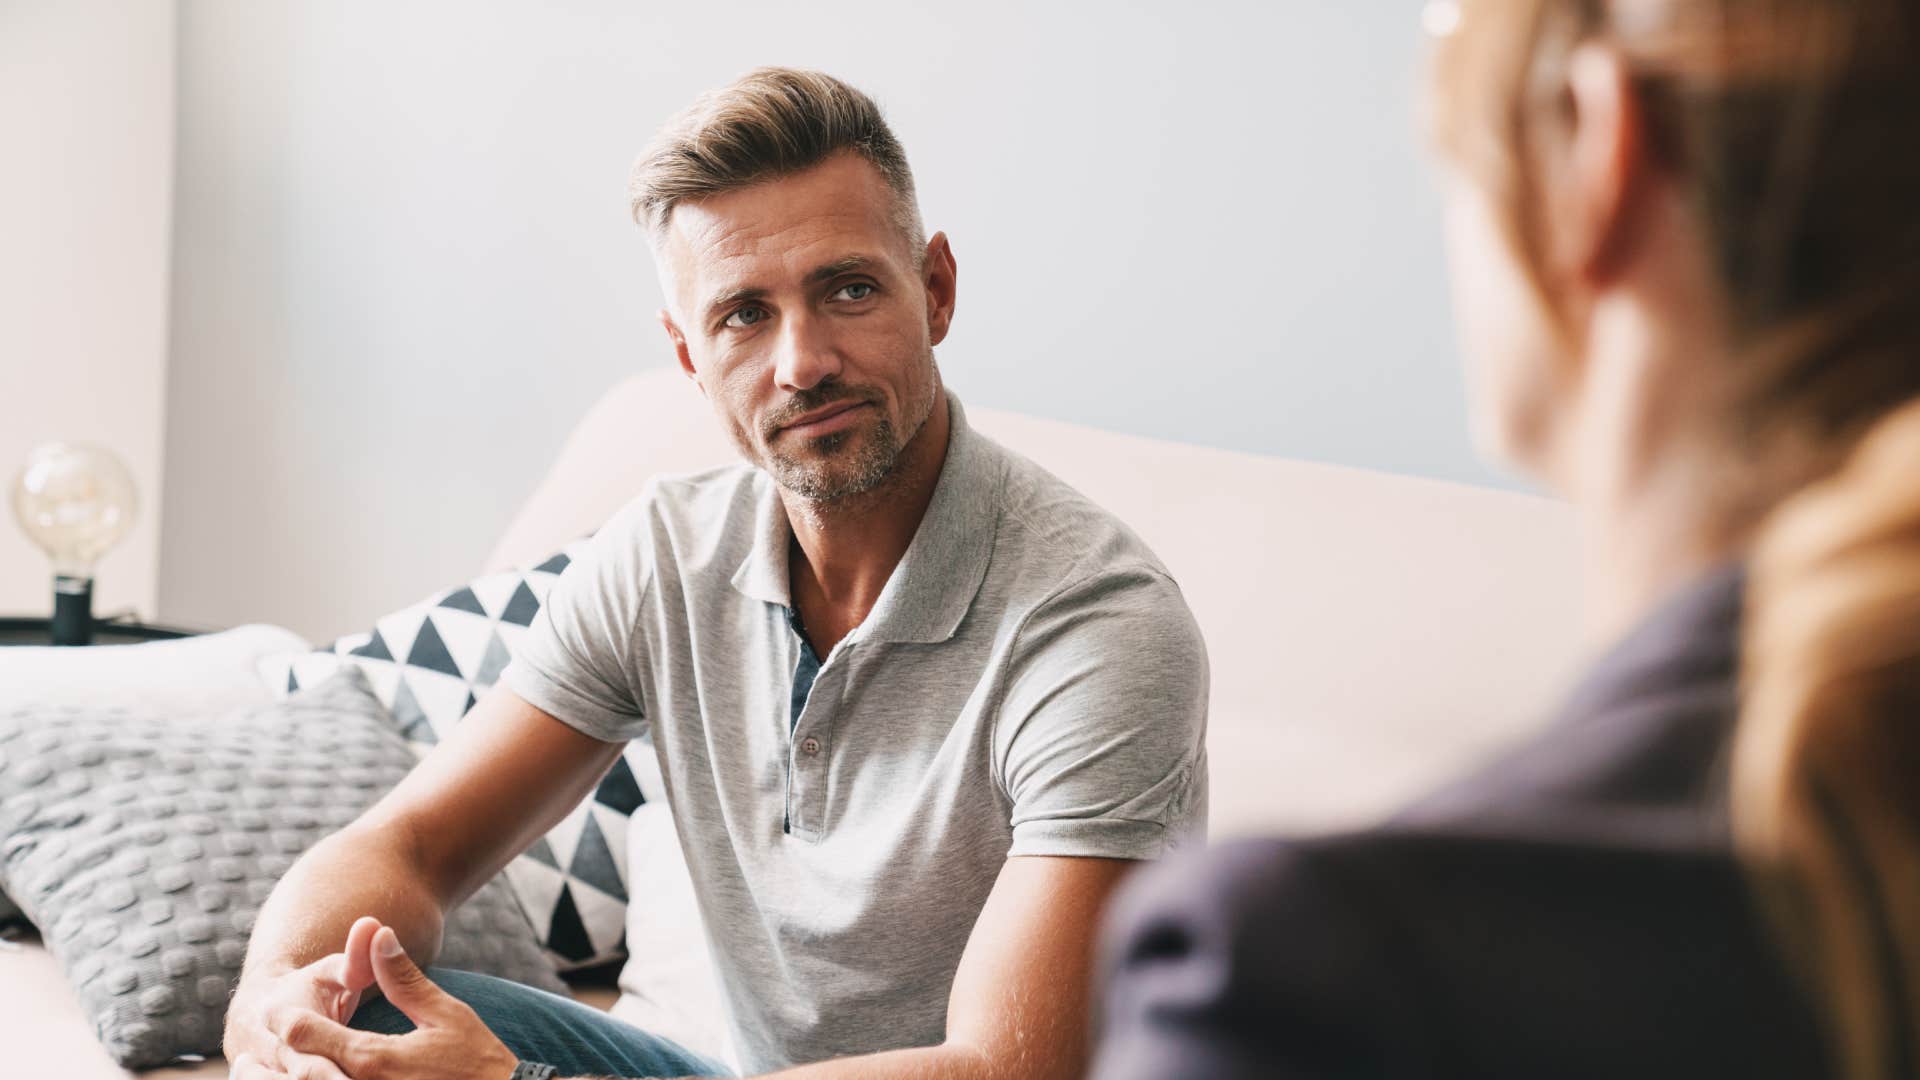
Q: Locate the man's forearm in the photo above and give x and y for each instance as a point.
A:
(921, 1063)
(357, 871)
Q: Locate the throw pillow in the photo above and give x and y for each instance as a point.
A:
(669, 985)
(142, 844)
(210, 672)
(430, 663)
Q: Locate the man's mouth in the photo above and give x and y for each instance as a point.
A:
(825, 420)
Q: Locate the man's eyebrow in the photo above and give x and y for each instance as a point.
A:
(829, 271)
(734, 296)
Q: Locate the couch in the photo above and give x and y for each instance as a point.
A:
(1370, 634)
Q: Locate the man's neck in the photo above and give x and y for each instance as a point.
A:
(845, 550)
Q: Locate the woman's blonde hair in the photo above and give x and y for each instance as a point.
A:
(1827, 764)
(1794, 128)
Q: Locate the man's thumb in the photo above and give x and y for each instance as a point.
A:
(403, 983)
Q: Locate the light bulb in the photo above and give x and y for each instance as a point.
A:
(1441, 17)
(76, 502)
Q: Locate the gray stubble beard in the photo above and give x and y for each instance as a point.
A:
(876, 462)
(818, 480)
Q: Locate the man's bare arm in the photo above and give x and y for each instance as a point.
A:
(1018, 1009)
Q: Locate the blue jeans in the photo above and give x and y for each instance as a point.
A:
(576, 1039)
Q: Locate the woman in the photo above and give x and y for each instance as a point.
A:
(1686, 251)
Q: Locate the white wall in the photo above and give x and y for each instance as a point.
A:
(404, 266)
(86, 174)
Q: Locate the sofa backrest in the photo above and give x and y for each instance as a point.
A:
(1369, 634)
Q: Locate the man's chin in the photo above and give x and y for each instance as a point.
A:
(828, 447)
(834, 466)
(828, 481)
(817, 486)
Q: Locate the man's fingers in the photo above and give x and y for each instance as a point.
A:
(298, 1066)
(358, 972)
(329, 990)
(404, 984)
(248, 1067)
(306, 1034)
(330, 969)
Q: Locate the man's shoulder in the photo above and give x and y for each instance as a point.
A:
(1055, 539)
(700, 500)
(680, 520)
(708, 494)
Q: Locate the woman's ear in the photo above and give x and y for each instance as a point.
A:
(1602, 175)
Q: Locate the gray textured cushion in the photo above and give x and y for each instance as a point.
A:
(142, 845)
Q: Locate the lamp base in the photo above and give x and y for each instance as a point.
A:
(72, 610)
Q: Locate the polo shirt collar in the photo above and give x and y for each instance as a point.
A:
(762, 574)
(934, 585)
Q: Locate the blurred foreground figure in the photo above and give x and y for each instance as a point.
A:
(1685, 241)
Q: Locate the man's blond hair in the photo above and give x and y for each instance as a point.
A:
(770, 123)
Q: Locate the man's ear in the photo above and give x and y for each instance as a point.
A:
(680, 348)
(941, 277)
(1603, 176)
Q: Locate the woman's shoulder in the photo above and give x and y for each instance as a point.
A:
(1646, 729)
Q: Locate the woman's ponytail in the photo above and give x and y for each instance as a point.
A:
(1826, 771)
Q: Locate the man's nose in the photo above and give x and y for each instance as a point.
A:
(805, 355)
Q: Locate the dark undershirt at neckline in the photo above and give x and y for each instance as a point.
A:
(804, 672)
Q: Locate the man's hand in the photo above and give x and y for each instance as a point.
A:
(449, 1041)
(499, 780)
(330, 987)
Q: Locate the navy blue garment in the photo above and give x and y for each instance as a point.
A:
(804, 672)
(1575, 910)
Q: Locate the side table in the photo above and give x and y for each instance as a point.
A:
(39, 631)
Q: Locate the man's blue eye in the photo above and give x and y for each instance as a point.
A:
(746, 316)
(859, 290)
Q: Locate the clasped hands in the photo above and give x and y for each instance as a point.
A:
(292, 1026)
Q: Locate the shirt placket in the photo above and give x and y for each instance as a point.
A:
(807, 753)
(814, 689)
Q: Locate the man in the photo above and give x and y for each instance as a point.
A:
(917, 704)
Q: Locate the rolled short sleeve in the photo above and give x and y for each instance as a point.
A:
(580, 660)
(1102, 730)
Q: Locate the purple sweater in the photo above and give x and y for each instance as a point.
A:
(1572, 911)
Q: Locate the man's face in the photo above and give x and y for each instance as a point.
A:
(809, 319)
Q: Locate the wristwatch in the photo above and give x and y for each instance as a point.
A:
(532, 1070)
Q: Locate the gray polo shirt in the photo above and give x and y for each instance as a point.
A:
(1029, 683)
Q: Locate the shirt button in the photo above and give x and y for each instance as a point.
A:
(811, 746)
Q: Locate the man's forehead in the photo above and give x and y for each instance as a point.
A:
(713, 234)
(835, 210)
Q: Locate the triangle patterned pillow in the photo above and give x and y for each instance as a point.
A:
(429, 664)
